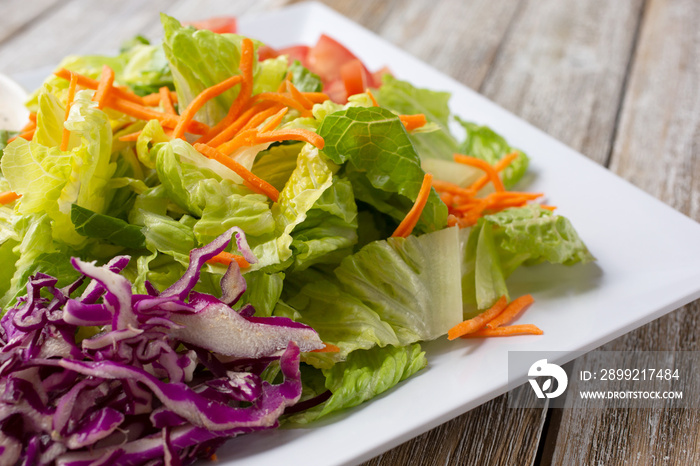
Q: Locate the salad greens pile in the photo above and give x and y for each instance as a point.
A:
(324, 252)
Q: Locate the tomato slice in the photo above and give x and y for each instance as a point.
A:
(355, 77)
(326, 58)
(377, 76)
(266, 52)
(219, 24)
(296, 52)
(336, 91)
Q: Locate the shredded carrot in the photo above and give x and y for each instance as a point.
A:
(499, 167)
(259, 118)
(483, 165)
(478, 322)
(214, 458)
(90, 83)
(252, 181)
(9, 196)
(298, 96)
(452, 188)
(225, 258)
(166, 101)
(29, 126)
(151, 100)
(104, 86)
(32, 117)
(275, 120)
(371, 97)
(246, 67)
(130, 137)
(284, 100)
(252, 137)
(452, 220)
(328, 348)
(409, 222)
(71, 95)
(525, 329)
(316, 97)
(145, 113)
(512, 310)
(28, 135)
(411, 122)
(198, 102)
(231, 130)
(548, 207)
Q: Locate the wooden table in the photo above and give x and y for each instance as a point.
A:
(615, 80)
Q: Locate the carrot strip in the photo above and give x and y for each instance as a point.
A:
(151, 100)
(284, 100)
(198, 102)
(293, 134)
(525, 329)
(71, 95)
(231, 130)
(411, 122)
(8, 196)
(104, 86)
(478, 322)
(258, 118)
(252, 181)
(452, 220)
(512, 310)
(166, 100)
(225, 258)
(90, 83)
(499, 167)
(328, 348)
(548, 207)
(28, 135)
(409, 222)
(316, 97)
(29, 126)
(298, 96)
(452, 188)
(145, 113)
(246, 67)
(483, 165)
(275, 120)
(371, 97)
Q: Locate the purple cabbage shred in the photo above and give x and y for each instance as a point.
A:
(147, 389)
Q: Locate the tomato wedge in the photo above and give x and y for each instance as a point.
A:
(355, 77)
(219, 24)
(326, 57)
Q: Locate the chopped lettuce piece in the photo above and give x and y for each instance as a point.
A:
(364, 375)
(381, 162)
(110, 229)
(484, 143)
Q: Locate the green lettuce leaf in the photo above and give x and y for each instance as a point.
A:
(404, 98)
(329, 231)
(110, 229)
(381, 163)
(482, 142)
(276, 164)
(198, 60)
(391, 292)
(364, 375)
(501, 242)
(303, 79)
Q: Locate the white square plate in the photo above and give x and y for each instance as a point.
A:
(648, 264)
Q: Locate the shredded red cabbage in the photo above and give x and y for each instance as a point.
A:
(152, 387)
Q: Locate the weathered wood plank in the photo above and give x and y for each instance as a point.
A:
(469, 438)
(17, 14)
(655, 148)
(459, 38)
(562, 68)
(86, 27)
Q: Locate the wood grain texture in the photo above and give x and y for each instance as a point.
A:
(656, 148)
(459, 38)
(562, 68)
(18, 14)
(492, 434)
